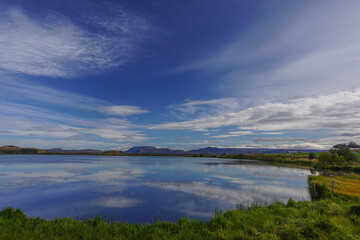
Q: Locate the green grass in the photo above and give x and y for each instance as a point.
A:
(345, 166)
(297, 160)
(344, 184)
(276, 159)
(331, 215)
(329, 218)
(303, 154)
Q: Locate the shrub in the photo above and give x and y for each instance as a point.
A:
(325, 157)
(291, 203)
(331, 157)
(345, 152)
(12, 213)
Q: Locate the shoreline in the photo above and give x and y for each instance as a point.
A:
(329, 216)
(285, 160)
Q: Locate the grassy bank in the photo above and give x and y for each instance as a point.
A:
(332, 216)
(276, 159)
(344, 184)
(350, 167)
(297, 160)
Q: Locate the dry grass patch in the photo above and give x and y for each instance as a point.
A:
(347, 184)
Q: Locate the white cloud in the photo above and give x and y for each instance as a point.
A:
(245, 133)
(14, 89)
(35, 120)
(243, 194)
(117, 134)
(44, 142)
(191, 208)
(236, 180)
(70, 172)
(234, 134)
(54, 46)
(54, 129)
(315, 51)
(323, 143)
(113, 176)
(194, 106)
(117, 202)
(122, 110)
(331, 112)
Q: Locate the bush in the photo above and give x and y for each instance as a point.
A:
(325, 157)
(291, 203)
(331, 157)
(345, 152)
(311, 155)
(12, 213)
(353, 145)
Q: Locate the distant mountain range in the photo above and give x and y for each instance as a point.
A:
(149, 150)
(10, 149)
(154, 150)
(210, 151)
(60, 150)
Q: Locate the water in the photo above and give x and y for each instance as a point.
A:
(139, 189)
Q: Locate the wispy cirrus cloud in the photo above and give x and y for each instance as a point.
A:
(190, 108)
(57, 47)
(195, 106)
(15, 90)
(245, 133)
(315, 51)
(39, 124)
(55, 115)
(91, 132)
(20, 90)
(51, 44)
(331, 112)
(122, 110)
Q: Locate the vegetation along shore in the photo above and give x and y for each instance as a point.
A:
(339, 158)
(333, 213)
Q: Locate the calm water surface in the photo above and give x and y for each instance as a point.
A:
(139, 189)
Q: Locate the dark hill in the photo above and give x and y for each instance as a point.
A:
(60, 150)
(10, 149)
(154, 150)
(226, 151)
(210, 151)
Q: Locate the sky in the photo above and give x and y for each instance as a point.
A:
(179, 74)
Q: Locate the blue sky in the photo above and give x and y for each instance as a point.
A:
(179, 74)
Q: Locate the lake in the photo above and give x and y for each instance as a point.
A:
(140, 189)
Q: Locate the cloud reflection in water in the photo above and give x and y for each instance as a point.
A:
(139, 188)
